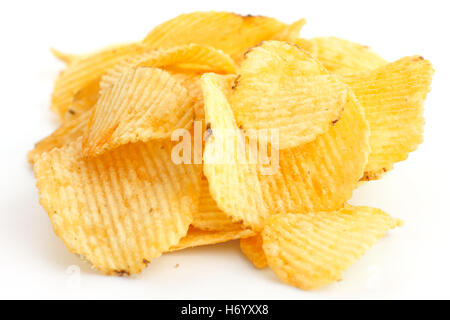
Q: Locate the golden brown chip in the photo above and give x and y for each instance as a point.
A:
(393, 97)
(198, 57)
(119, 210)
(144, 104)
(282, 87)
(68, 132)
(318, 176)
(86, 70)
(226, 31)
(252, 249)
(196, 237)
(209, 217)
(345, 57)
(312, 250)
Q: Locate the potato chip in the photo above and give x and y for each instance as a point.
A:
(86, 70)
(209, 217)
(281, 87)
(312, 250)
(345, 57)
(64, 57)
(200, 57)
(83, 100)
(319, 176)
(226, 31)
(290, 33)
(233, 185)
(197, 238)
(393, 97)
(68, 132)
(252, 249)
(119, 210)
(144, 104)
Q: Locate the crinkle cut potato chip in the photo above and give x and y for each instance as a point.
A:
(119, 210)
(209, 217)
(199, 57)
(85, 70)
(393, 97)
(68, 132)
(233, 185)
(197, 238)
(253, 250)
(318, 176)
(226, 31)
(345, 57)
(312, 250)
(282, 87)
(144, 104)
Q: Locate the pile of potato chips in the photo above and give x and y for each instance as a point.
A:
(114, 194)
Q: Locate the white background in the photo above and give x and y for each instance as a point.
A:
(411, 262)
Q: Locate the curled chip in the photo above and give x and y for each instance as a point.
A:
(312, 250)
(86, 70)
(119, 210)
(345, 57)
(144, 104)
(198, 57)
(393, 97)
(320, 175)
(209, 217)
(282, 87)
(197, 238)
(226, 31)
(253, 250)
(64, 57)
(68, 132)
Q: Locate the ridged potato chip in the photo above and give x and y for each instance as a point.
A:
(346, 57)
(68, 132)
(197, 238)
(282, 87)
(253, 250)
(119, 210)
(233, 185)
(86, 70)
(205, 58)
(393, 97)
(319, 176)
(312, 250)
(209, 217)
(226, 31)
(144, 104)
